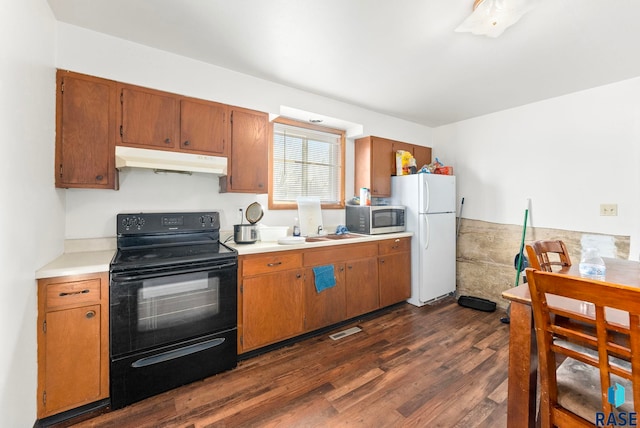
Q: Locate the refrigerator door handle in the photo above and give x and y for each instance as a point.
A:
(425, 194)
(427, 232)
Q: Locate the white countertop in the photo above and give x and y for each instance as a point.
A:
(267, 247)
(76, 263)
(90, 261)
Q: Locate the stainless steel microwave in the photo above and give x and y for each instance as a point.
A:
(373, 220)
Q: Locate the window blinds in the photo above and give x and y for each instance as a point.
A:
(306, 162)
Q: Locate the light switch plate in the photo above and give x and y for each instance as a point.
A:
(609, 209)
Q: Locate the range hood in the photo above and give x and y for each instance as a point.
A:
(131, 157)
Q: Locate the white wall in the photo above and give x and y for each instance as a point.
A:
(32, 214)
(91, 213)
(568, 154)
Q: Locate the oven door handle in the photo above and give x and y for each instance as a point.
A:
(119, 277)
(177, 353)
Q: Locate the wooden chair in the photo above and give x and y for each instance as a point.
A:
(538, 253)
(597, 352)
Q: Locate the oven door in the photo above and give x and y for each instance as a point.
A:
(154, 308)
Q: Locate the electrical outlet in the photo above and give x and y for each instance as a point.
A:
(609, 209)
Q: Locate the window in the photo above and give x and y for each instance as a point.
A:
(306, 160)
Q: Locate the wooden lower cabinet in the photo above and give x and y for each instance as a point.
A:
(276, 302)
(270, 298)
(362, 286)
(73, 342)
(327, 306)
(394, 270)
(279, 300)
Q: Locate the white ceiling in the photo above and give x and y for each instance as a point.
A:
(400, 57)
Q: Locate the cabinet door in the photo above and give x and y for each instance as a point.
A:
(73, 358)
(399, 145)
(382, 167)
(85, 131)
(328, 306)
(149, 118)
(373, 165)
(394, 276)
(273, 308)
(422, 155)
(361, 277)
(249, 162)
(203, 127)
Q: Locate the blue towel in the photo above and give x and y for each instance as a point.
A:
(341, 230)
(324, 276)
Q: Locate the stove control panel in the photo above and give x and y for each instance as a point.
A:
(150, 223)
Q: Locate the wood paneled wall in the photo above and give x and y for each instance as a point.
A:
(486, 252)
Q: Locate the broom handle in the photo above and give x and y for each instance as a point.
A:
(520, 255)
(459, 218)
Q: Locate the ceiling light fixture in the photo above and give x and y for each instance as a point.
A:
(491, 17)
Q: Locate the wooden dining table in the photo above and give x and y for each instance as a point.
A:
(523, 354)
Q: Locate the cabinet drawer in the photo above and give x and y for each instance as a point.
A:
(340, 253)
(73, 293)
(394, 246)
(270, 263)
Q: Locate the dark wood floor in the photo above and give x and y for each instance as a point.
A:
(435, 366)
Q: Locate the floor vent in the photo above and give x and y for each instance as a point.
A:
(345, 333)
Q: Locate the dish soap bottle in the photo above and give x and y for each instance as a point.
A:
(591, 265)
(296, 227)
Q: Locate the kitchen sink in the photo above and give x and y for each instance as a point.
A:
(332, 237)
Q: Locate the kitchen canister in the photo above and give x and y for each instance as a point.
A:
(365, 196)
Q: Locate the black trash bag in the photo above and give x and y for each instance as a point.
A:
(516, 262)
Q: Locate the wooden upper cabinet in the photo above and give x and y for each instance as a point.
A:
(149, 118)
(375, 163)
(248, 168)
(204, 126)
(422, 155)
(164, 121)
(85, 131)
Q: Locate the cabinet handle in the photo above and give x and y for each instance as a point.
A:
(167, 140)
(274, 264)
(395, 247)
(397, 240)
(298, 276)
(90, 314)
(186, 143)
(73, 293)
(382, 261)
(99, 177)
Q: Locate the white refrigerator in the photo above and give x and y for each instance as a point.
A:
(430, 201)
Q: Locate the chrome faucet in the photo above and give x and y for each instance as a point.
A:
(320, 230)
